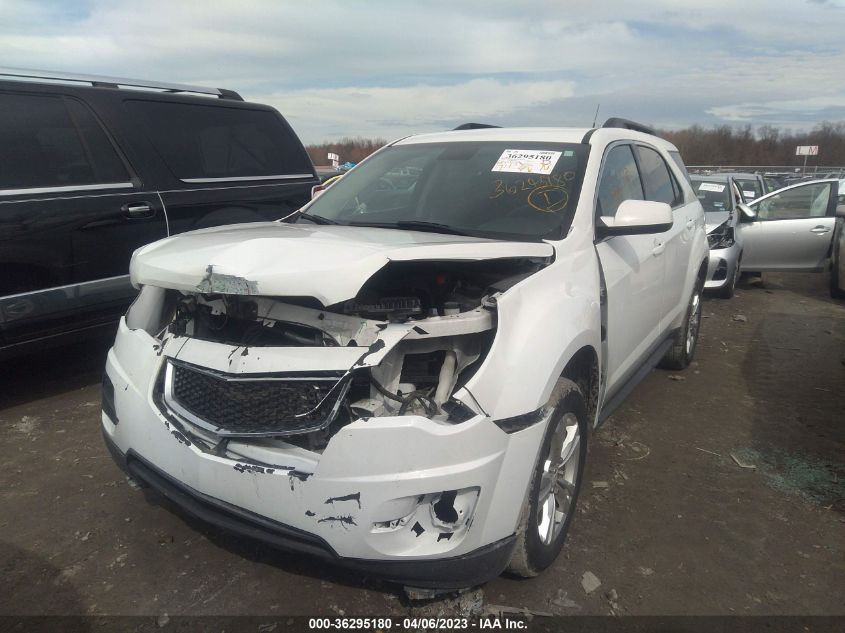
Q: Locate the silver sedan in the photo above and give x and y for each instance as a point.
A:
(720, 197)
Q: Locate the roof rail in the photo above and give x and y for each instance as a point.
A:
(629, 125)
(99, 81)
(474, 126)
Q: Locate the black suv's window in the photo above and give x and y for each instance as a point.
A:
(620, 180)
(657, 180)
(199, 142)
(53, 142)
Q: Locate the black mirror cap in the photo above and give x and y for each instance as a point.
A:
(603, 230)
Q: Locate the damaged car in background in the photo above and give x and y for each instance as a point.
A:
(402, 377)
(723, 207)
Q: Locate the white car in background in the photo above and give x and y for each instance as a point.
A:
(403, 380)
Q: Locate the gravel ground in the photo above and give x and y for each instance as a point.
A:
(671, 519)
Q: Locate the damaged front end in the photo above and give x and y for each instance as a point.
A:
(246, 366)
(348, 422)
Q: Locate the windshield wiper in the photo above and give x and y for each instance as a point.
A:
(417, 225)
(316, 219)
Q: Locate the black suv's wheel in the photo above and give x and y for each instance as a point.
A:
(683, 348)
(553, 491)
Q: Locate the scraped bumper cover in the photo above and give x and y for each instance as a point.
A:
(457, 572)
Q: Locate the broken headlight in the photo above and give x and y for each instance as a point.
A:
(721, 237)
(152, 310)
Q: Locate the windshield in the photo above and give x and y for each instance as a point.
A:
(714, 196)
(507, 190)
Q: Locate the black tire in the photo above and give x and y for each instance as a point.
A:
(836, 290)
(531, 554)
(727, 291)
(683, 347)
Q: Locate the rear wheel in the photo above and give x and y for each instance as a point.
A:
(836, 290)
(553, 491)
(683, 348)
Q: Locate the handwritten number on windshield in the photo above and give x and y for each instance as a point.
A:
(543, 193)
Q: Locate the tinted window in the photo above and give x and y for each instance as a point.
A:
(43, 144)
(656, 177)
(620, 180)
(808, 201)
(104, 160)
(207, 141)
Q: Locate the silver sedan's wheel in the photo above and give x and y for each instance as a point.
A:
(557, 482)
(553, 491)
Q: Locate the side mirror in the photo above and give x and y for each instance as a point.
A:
(840, 210)
(637, 217)
(747, 214)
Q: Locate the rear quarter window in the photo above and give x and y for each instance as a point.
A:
(676, 156)
(215, 142)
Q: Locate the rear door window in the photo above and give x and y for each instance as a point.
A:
(48, 141)
(212, 142)
(657, 180)
(620, 180)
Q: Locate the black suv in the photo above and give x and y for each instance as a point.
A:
(91, 168)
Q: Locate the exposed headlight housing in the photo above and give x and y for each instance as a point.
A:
(721, 237)
(152, 310)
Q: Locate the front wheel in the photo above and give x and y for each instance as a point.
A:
(727, 291)
(553, 491)
(683, 348)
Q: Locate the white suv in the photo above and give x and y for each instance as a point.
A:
(402, 378)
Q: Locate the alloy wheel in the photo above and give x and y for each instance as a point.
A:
(558, 480)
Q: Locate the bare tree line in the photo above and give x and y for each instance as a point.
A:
(767, 145)
(720, 145)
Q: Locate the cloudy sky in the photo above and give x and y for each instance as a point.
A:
(387, 69)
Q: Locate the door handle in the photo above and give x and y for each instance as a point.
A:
(820, 229)
(138, 210)
(658, 248)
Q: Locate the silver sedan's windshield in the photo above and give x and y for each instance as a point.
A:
(510, 189)
(714, 196)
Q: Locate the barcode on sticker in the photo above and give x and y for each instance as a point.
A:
(527, 161)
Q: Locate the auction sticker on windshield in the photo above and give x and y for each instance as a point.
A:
(527, 161)
(711, 186)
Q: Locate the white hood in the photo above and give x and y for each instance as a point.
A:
(330, 263)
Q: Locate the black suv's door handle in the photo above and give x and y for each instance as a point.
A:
(138, 210)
